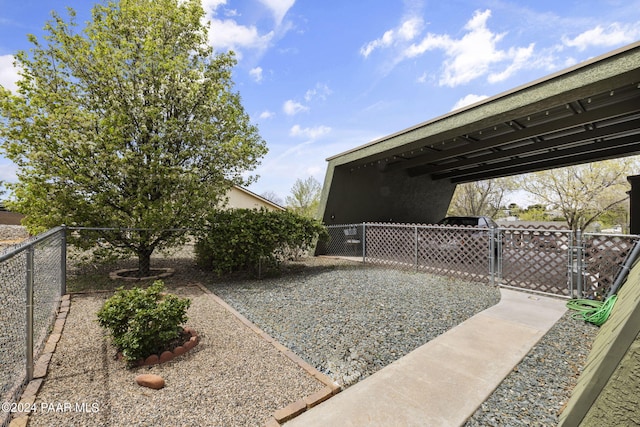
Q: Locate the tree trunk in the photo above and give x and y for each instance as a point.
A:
(144, 262)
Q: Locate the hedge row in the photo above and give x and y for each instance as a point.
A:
(255, 240)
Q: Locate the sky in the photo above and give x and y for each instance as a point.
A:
(322, 77)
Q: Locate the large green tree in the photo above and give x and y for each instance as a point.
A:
(480, 197)
(130, 122)
(584, 192)
(305, 197)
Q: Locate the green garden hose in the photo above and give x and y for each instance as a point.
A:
(596, 312)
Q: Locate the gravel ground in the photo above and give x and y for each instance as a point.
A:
(349, 321)
(346, 320)
(11, 235)
(231, 378)
(538, 388)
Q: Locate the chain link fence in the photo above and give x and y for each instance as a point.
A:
(32, 280)
(548, 260)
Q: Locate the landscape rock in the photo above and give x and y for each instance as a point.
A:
(153, 381)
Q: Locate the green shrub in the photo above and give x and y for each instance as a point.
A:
(254, 240)
(143, 322)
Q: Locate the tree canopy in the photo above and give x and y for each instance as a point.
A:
(305, 197)
(130, 123)
(480, 198)
(583, 192)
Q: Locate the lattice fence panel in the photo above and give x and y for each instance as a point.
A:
(541, 259)
(537, 259)
(388, 244)
(603, 258)
(454, 251)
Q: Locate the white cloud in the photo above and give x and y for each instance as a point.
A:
(212, 5)
(406, 31)
(311, 133)
(246, 34)
(229, 35)
(520, 58)
(8, 73)
(315, 171)
(278, 8)
(256, 73)
(266, 114)
(473, 55)
(614, 34)
(430, 42)
(320, 91)
(291, 107)
(468, 100)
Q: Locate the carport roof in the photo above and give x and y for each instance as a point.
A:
(585, 113)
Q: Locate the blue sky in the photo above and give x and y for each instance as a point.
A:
(322, 77)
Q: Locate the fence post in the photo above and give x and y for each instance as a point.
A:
(492, 255)
(63, 261)
(364, 242)
(29, 331)
(500, 257)
(415, 246)
(579, 263)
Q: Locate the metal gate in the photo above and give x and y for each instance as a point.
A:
(548, 260)
(538, 259)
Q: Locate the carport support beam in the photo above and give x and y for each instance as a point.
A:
(634, 204)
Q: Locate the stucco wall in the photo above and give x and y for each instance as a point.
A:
(371, 194)
(240, 199)
(619, 402)
(608, 391)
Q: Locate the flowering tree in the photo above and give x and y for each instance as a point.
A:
(130, 123)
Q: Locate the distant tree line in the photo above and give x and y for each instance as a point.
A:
(582, 195)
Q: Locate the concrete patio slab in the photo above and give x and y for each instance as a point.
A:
(443, 382)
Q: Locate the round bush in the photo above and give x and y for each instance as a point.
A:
(143, 321)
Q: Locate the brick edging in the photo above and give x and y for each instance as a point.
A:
(280, 416)
(28, 396)
(296, 408)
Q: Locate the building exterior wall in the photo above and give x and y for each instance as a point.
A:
(608, 391)
(239, 198)
(10, 218)
(369, 194)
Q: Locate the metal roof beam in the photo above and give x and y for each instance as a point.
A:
(558, 143)
(623, 108)
(617, 147)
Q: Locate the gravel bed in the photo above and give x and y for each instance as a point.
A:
(11, 235)
(535, 392)
(346, 320)
(349, 321)
(231, 378)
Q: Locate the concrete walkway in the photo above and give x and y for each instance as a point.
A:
(443, 382)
